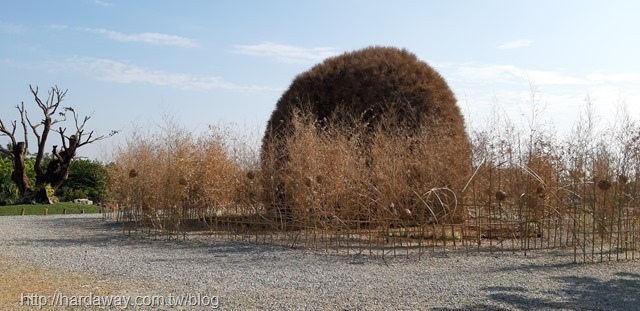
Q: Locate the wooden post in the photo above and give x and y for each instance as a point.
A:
(46, 211)
(64, 211)
(22, 211)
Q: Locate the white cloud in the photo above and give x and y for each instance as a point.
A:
(480, 73)
(515, 44)
(614, 78)
(492, 73)
(541, 77)
(480, 87)
(146, 37)
(286, 53)
(58, 26)
(6, 27)
(102, 3)
(115, 71)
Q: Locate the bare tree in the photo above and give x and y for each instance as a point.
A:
(56, 172)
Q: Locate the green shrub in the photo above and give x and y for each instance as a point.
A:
(76, 194)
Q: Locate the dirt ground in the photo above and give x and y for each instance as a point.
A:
(37, 285)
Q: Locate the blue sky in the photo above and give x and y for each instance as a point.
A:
(211, 62)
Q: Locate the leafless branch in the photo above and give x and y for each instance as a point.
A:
(62, 137)
(90, 139)
(4, 131)
(23, 116)
(49, 108)
(9, 133)
(54, 98)
(79, 133)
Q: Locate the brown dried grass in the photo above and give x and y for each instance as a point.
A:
(389, 188)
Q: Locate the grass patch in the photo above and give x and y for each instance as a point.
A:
(53, 209)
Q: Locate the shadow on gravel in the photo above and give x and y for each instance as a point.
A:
(95, 232)
(622, 293)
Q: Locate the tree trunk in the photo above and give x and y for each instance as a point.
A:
(19, 175)
(47, 182)
(56, 173)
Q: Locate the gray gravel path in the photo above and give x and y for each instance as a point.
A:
(258, 277)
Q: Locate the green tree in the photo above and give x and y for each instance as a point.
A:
(87, 179)
(8, 189)
(9, 193)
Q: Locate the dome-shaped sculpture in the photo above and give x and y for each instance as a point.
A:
(371, 85)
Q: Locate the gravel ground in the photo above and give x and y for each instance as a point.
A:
(259, 277)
